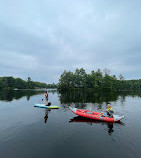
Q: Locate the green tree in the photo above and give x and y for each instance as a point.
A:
(1, 83)
(121, 78)
(80, 78)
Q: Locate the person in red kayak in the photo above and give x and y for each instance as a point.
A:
(109, 112)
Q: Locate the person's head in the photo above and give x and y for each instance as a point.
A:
(109, 106)
(46, 91)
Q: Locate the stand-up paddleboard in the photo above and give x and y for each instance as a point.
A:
(44, 106)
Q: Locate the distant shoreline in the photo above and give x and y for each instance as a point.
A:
(18, 83)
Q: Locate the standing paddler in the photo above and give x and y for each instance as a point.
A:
(46, 98)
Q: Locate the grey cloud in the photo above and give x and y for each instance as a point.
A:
(51, 36)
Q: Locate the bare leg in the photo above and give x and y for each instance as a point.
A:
(101, 114)
(46, 102)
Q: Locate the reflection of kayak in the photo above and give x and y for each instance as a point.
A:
(44, 106)
(94, 115)
(110, 125)
(80, 119)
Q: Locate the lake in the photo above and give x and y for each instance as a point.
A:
(26, 131)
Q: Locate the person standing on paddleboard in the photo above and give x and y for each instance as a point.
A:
(46, 98)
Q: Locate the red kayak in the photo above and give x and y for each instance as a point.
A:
(94, 115)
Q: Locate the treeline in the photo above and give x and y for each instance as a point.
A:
(18, 83)
(97, 80)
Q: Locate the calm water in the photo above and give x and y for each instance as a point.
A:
(31, 132)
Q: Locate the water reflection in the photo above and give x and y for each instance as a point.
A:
(91, 96)
(9, 95)
(110, 125)
(46, 115)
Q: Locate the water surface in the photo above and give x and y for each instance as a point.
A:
(26, 131)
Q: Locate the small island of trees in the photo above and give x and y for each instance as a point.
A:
(97, 80)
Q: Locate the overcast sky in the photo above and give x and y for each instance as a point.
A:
(42, 38)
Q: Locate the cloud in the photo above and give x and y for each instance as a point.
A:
(14, 60)
(43, 38)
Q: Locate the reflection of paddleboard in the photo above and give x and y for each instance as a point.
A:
(44, 106)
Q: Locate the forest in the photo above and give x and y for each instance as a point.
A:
(97, 80)
(18, 83)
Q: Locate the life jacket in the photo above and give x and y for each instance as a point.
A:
(110, 109)
(46, 95)
(110, 112)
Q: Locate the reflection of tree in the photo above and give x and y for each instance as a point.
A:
(9, 95)
(99, 106)
(81, 97)
(28, 97)
(90, 96)
(80, 105)
(122, 99)
(110, 125)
